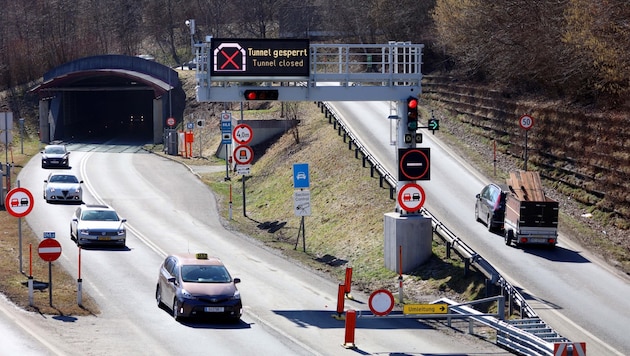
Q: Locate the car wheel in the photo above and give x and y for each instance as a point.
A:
(477, 213)
(489, 223)
(174, 309)
(158, 296)
(509, 236)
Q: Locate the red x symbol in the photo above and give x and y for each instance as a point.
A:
(230, 59)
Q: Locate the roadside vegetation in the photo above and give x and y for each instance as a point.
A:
(14, 278)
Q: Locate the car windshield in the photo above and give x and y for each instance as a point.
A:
(54, 150)
(99, 215)
(205, 274)
(63, 179)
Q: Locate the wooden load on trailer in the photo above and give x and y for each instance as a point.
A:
(530, 216)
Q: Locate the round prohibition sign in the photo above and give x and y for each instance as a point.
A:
(414, 164)
(49, 250)
(526, 122)
(170, 121)
(411, 197)
(243, 134)
(381, 302)
(19, 202)
(243, 154)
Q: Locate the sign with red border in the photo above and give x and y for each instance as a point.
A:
(170, 121)
(49, 250)
(526, 122)
(411, 197)
(19, 202)
(414, 163)
(381, 302)
(242, 134)
(243, 154)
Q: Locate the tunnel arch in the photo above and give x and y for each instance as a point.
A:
(106, 96)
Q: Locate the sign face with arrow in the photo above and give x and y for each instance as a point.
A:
(425, 308)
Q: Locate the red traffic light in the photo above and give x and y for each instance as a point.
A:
(261, 94)
(412, 103)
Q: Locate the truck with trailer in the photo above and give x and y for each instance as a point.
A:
(531, 217)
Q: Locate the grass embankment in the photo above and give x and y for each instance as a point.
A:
(13, 278)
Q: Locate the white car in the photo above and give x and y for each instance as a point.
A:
(63, 187)
(97, 224)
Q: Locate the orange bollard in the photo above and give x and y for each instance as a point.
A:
(351, 323)
(340, 299)
(348, 281)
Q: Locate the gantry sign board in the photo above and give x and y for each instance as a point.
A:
(333, 71)
(249, 59)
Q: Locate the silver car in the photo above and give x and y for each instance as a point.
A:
(63, 187)
(97, 224)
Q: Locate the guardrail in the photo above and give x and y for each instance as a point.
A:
(514, 335)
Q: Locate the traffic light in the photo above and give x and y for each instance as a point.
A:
(412, 113)
(261, 94)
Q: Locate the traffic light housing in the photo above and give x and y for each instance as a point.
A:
(261, 94)
(412, 113)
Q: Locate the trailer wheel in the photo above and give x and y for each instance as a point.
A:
(509, 236)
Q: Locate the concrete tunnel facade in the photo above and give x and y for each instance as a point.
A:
(108, 96)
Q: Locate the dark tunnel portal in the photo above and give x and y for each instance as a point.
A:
(105, 115)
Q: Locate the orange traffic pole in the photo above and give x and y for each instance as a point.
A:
(348, 282)
(351, 323)
(340, 299)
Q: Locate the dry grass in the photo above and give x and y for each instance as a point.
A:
(13, 277)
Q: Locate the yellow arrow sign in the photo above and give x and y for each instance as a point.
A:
(425, 309)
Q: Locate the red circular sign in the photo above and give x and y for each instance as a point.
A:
(414, 163)
(381, 302)
(49, 250)
(243, 154)
(411, 197)
(19, 202)
(170, 121)
(526, 122)
(242, 134)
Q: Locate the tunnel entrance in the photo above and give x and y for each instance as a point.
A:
(109, 97)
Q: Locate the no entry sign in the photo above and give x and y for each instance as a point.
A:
(49, 250)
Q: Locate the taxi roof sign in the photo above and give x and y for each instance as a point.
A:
(201, 256)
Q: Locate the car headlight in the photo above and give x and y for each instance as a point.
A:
(185, 294)
(122, 232)
(84, 231)
(237, 295)
(52, 190)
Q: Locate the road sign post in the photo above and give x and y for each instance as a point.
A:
(49, 250)
(526, 122)
(19, 202)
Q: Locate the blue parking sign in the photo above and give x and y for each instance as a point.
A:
(301, 178)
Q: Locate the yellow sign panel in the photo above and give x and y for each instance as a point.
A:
(425, 309)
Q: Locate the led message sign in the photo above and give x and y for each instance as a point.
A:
(244, 59)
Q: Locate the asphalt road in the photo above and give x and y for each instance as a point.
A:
(581, 297)
(288, 309)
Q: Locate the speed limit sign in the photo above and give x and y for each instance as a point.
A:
(526, 122)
